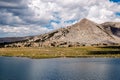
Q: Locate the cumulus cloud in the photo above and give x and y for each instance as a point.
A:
(21, 30)
(32, 17)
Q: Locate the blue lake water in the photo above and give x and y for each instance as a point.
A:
(12, 68)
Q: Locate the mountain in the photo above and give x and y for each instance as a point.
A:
(12, 39)
(83, 33)
(112, 28)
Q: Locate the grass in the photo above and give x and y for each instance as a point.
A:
(55, 52)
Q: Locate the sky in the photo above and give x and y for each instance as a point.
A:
(34, 17)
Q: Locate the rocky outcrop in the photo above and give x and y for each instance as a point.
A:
(112, 28)
(83, 33)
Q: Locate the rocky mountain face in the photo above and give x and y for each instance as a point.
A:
(82, 33)
(112, 28)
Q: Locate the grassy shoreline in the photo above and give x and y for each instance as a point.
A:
(58, 52)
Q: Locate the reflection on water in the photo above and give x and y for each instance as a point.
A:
(59, 69)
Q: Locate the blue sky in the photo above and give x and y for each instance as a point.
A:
(34, 17)
(115, 0)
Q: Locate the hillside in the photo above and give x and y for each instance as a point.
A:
(12, 39)
(83, 33)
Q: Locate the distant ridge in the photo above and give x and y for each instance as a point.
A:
(83, 33)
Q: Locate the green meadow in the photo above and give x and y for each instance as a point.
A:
(57, 52)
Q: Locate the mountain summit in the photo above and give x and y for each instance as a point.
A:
(85, 32)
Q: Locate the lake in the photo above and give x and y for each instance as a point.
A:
(13, 68)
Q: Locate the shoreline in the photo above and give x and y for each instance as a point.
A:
(62, 57)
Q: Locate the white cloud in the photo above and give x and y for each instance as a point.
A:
(96, 10)
(39, 13)
(104, 11)
(23, 30)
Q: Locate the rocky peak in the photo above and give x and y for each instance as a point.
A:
(111, 24)
(112, 28)
(85, 24)
(85, 20)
